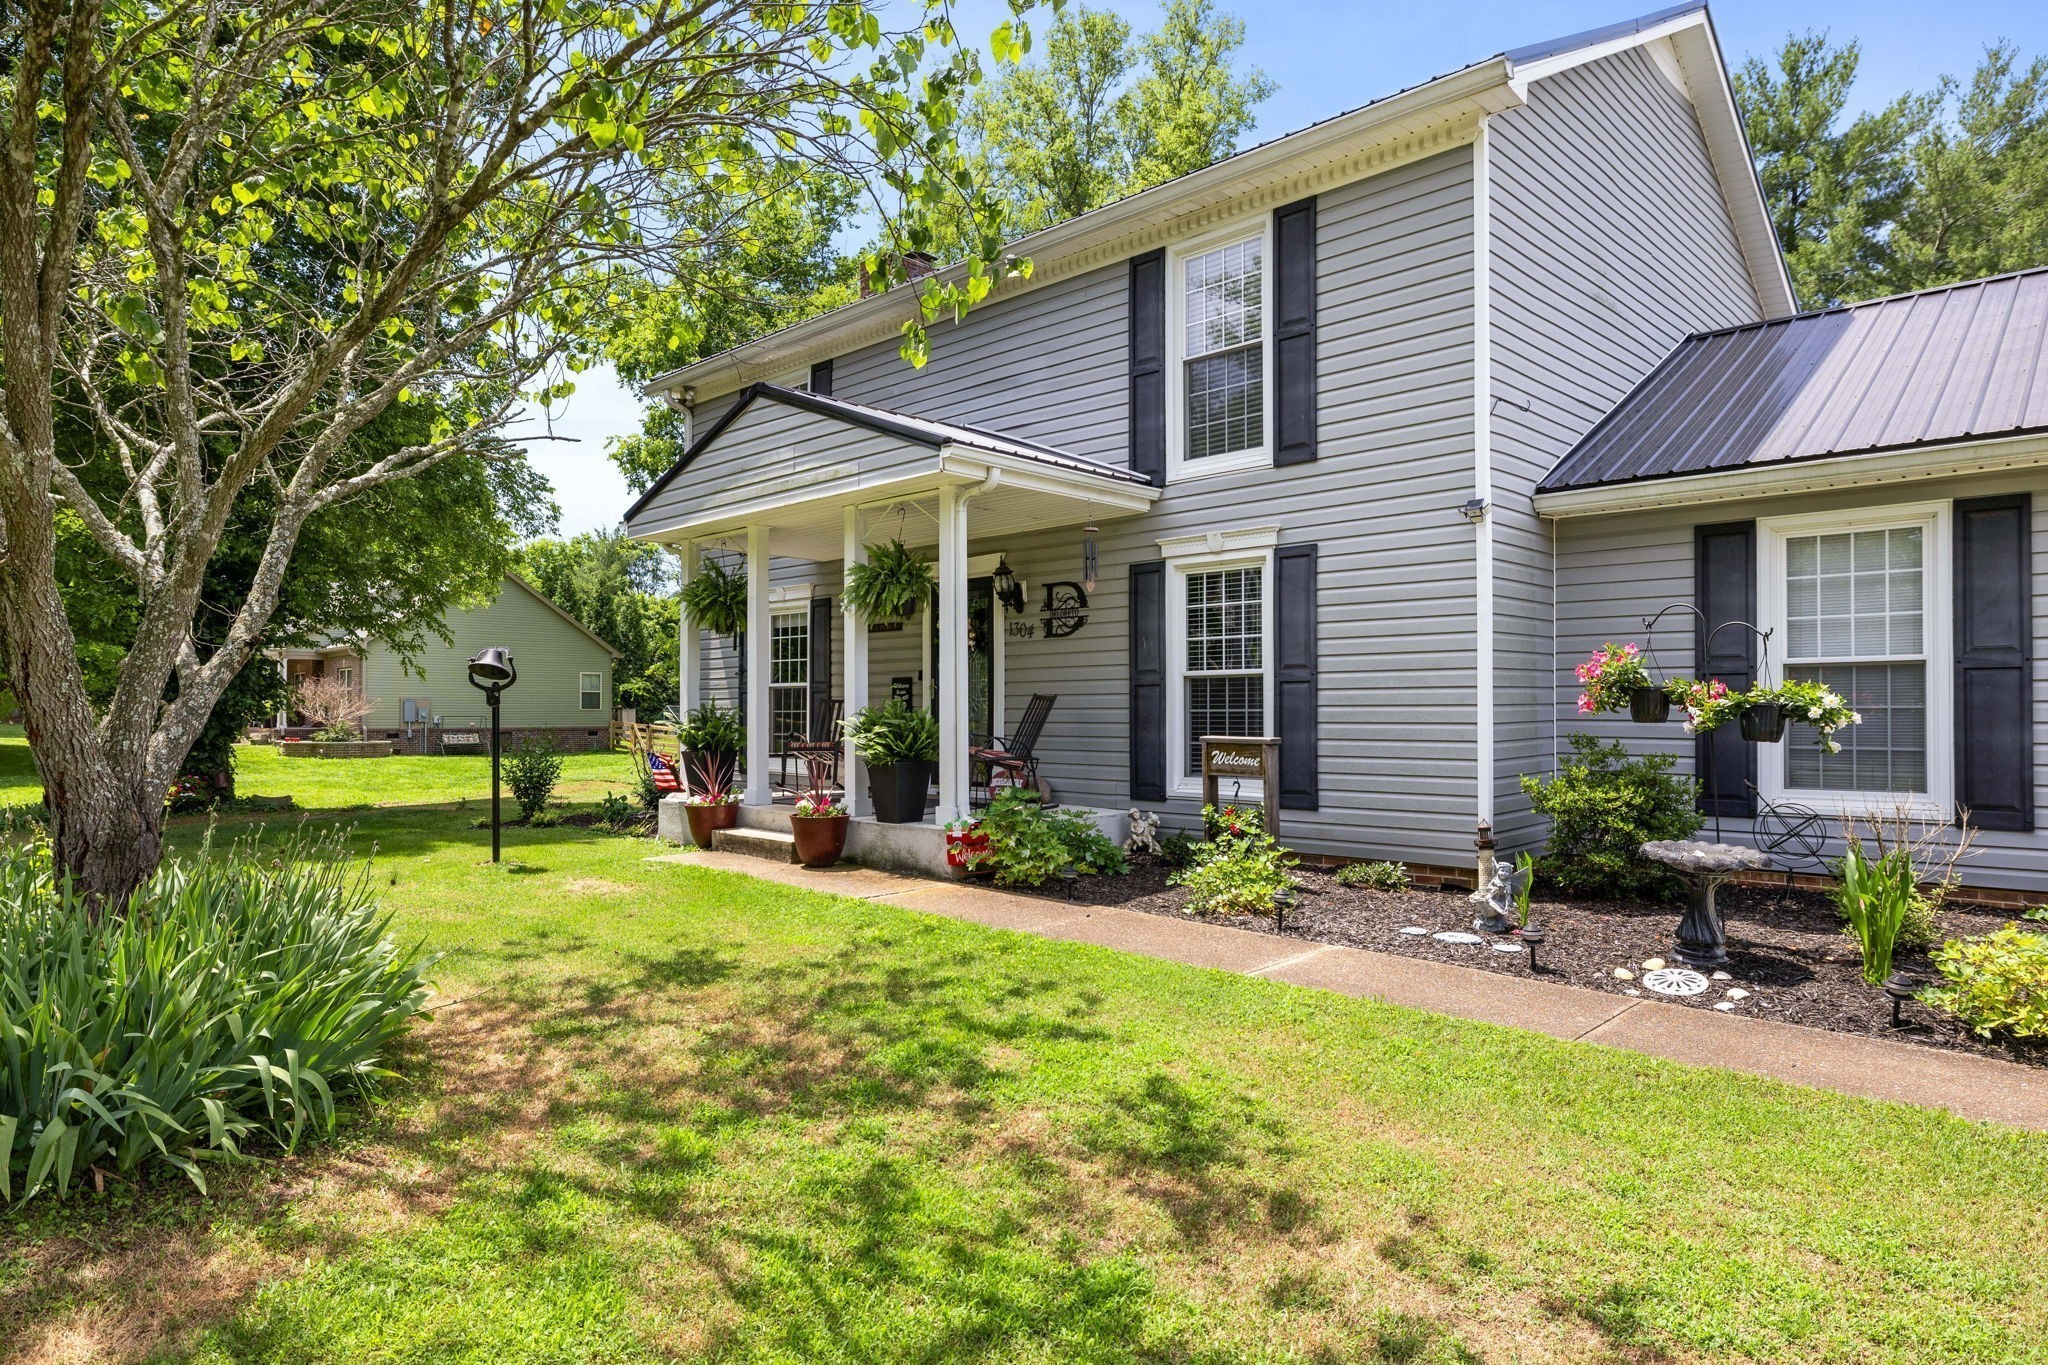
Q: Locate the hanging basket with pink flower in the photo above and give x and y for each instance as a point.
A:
(1617, 679)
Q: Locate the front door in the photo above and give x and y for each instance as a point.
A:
(981, 658)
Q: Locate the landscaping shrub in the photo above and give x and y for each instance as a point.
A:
(1603, 805)
(615, 812)
(531, 771)
(337, 732)
(225, 1010)
(1240, 869)
(1029, 845)
(1374, 876)
(1179, 849)
(1875, 897)
(1996, 982)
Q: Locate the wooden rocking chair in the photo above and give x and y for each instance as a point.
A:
(1012, 761)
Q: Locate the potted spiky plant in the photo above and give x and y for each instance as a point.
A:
(818, 823)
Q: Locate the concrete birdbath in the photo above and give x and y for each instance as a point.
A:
(1702, 942)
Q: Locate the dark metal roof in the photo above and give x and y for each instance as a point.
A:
(922, 430)
(1604, 34)
(1963, 362)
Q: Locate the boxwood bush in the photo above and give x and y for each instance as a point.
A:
(224, 1012)
(1603, 806)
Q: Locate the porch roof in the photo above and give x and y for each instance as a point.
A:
(797, 474)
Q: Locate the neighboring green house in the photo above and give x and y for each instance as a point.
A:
(424, 701)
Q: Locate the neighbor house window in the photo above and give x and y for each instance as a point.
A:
(1219, 329)
(1860, 603)
(348, 678)
(590, 690)
(1221, 626)
(789, 677)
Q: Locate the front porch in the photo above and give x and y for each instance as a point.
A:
(791, 489)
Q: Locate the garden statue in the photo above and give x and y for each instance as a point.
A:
(1498, 896)
(1144, 835)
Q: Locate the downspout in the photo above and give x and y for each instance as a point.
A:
(1482, 485)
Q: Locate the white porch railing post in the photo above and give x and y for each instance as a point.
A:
(760, 715)
(950, 663)
(690, 640)
(855, 630)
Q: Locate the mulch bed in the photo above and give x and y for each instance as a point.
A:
(1786, 949)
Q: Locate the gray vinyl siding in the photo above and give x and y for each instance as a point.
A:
(1615, 571)
(1047, 366)
(1395, 560)
(1610, 242)
(551, 654)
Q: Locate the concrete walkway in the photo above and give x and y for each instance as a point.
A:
(1970, 1086)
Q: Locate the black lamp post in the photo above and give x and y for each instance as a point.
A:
(491, 672)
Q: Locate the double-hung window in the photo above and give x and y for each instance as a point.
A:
(1222, 367)
(789, 677)
(1220, 624)
(1860, 603)
(590, 691)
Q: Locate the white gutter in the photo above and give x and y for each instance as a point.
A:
(1482, 464)
(1787, 477)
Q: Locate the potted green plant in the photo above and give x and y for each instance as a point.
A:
(900, 748)
(715, 599)
(817, 822)
(1615, 677)
(715, 734)
(711, 804)
(890, 584)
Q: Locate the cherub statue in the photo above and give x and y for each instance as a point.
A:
(1498, 896)
(1144, 835)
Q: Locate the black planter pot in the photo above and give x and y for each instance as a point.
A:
(899, 789)
(1648, 706)
(1764, 723)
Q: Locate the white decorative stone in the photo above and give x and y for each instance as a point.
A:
(1722, 976)
(1676, 981)
(1723, 1005)
(1631, 991)
(1623, 974)
(1507, 947)
(1651, 964)
(1457, 936)
(1737, 993)
(1415, 930)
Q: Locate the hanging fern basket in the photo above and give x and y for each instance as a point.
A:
(715, 599)
(891, 584)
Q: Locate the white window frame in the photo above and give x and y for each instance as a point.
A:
(1186, 555)
(1178, 466)
(582, 691)
(1937, 618)
(798, 607)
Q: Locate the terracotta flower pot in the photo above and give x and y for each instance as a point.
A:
(1764, 723)
(1649, 706)
(704, 819)
(820, 839)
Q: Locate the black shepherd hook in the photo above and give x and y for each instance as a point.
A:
(1705, 649)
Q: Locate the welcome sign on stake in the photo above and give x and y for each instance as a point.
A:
(1242, 758)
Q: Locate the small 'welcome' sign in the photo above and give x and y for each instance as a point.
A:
(1242, 759)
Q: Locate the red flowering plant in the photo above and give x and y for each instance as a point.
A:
(1610, 676)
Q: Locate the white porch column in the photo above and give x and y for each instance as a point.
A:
(690, 640)
(284, 672)
(852, 772)
(949, 667)
(760, 717)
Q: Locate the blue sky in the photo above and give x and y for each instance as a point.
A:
(1331, 57)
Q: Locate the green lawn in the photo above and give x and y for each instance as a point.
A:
(681, 1114)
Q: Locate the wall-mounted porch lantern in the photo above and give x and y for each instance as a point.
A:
(1009, 592)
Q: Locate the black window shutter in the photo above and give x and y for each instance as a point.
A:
(1294, 673)
(1294, 333)
(1148, 365)
(1724, 589)
(1994, 662)
(820, 658)
(1148, 681)
(821, 378)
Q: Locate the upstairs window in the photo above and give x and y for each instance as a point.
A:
(1224, 366)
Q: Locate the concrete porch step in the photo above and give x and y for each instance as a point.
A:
(777, 846)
